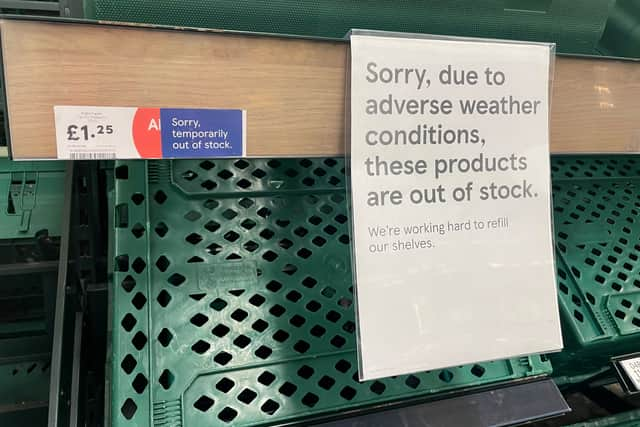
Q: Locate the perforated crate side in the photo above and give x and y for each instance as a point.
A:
(131, 373)
(25, 382)
(577, 167)
(29, 193)
(238, 290)
(596, 202)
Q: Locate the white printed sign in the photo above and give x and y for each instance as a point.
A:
(450, 187)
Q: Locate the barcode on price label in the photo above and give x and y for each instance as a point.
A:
(92, 156)
(97, 133)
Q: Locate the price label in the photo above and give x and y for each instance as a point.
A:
(72, 132)
(86, 132)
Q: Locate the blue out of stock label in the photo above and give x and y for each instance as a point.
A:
(200, 133)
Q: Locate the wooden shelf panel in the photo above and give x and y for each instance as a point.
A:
(293, 89)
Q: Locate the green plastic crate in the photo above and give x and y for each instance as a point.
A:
(22, 306)
(596, 203)
(625, 419)
(232, 298)
(31, 198)
(24, 386)
(577, 26)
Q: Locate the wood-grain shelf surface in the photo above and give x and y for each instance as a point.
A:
(292, 89)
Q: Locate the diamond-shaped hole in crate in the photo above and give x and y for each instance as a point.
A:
(128, 364)
(192, 216)
(266, 378)
(137, 230)
(128, 283)
(139, 300)
(277, 310)
(243, 183)
(478, 370)
(160, 197)
(263, 352)
(242, 341)
(138, 265)
(225, 384)
(220, 330)
(326, 382)
(164, 298)
(211, 204)
(212, 226)
(228, 414)
(377, 387)
(128, 408)
(163, 263)
(206, 165)
(218, 304)
(161, 229)
(445, 375)
(239, 315)
(318, 331)
(193, 238)
(301, 346)
(348, 392)
(412, 381)
(305, 372)
(166, 379)
(257, 300)
(225, 174)
(223, 358)
(343, 366)
(297, 320)
(288, 389)
(199, 320)
(270, 407)
(259, 325)
(176, 279)
(200, 347)
(139, 340)
(139, 383)
(310, 399)
(204, 403)
(247, 396)
(281, 336)
(214, 249)
(208, 185)
(165, 337)
(128, 322)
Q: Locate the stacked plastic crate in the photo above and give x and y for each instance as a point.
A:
(596, 203)
(30, 227)
(233, 299)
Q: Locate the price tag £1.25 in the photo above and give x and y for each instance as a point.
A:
(95, 133)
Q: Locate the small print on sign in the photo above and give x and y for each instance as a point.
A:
(632, 369)
(453, 256)
(148, 133)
